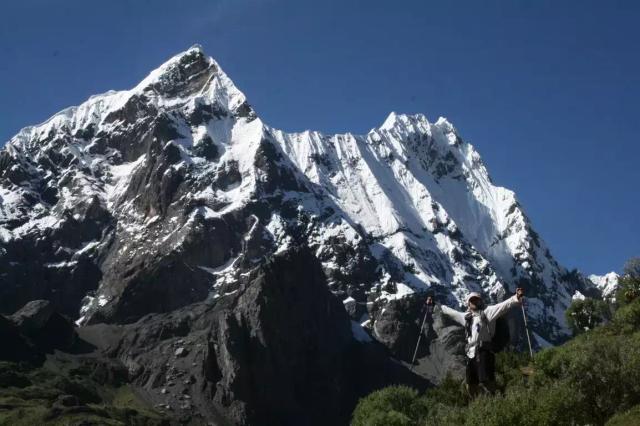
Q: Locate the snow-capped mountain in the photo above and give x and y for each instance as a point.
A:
(149, 199)
(607, 283)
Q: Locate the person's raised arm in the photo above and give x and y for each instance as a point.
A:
(453, 314)
(499, 309)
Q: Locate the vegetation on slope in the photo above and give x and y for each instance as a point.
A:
(592, 379)
(67, 393)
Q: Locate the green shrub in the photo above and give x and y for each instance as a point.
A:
(509, 365)
(627, 317)
(585, 381)
(525, 406)
(628, 289)
(627, 418)
(592, 379)
(519, 406)
(449, 392)
(391, 406)
(586, 314)
(605, 369)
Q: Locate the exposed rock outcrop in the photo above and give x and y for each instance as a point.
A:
(33, 331)
(280, 350)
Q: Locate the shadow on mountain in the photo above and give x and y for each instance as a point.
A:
(279, 350)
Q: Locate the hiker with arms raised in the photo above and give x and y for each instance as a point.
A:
(480, 327)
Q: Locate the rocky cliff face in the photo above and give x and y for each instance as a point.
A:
(280, 349)
(33, 331)
(148, 200)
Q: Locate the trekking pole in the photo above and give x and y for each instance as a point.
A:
(413, 360)
(526, 327)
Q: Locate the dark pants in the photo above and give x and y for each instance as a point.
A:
(482, 368)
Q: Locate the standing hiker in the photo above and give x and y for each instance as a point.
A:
(427, 310)
(480, 325)
(427, 314)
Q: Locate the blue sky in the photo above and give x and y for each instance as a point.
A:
(547, 91)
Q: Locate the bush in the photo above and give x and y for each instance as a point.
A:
(519, 406)
(449, 392)
(523, 406)
(628, 289)
(627, 418)
(509, 366)
(586, 314)
(627, 318)
(605, 369)
(585, 381)
(392, 406)
(592, 379)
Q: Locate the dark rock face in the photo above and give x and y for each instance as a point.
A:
(157, 288)
(45, 327)
(289, 298)
(185, 76)
(442, 345)
(33, 331)
(442, 350)
(33, 316)
(50, 263)
(279, 350)
(15, 346)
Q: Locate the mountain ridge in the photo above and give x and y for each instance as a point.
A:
(178, 179)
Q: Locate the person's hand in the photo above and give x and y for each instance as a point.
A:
(520, 293)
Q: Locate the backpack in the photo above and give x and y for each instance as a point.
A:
(501, 336)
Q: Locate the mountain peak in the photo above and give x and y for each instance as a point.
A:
(190, 77)
(182, 67)
(181, 164)
(395, 120)
(607, 283)
(390, 121)
(192, 74)
(445, 124)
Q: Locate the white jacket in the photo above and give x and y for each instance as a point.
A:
(481, 331)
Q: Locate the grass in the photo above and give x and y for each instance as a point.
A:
(29, 396)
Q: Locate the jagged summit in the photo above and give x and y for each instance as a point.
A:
(152, 198)
(395, 120)
(189, 77)
(607, 283)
